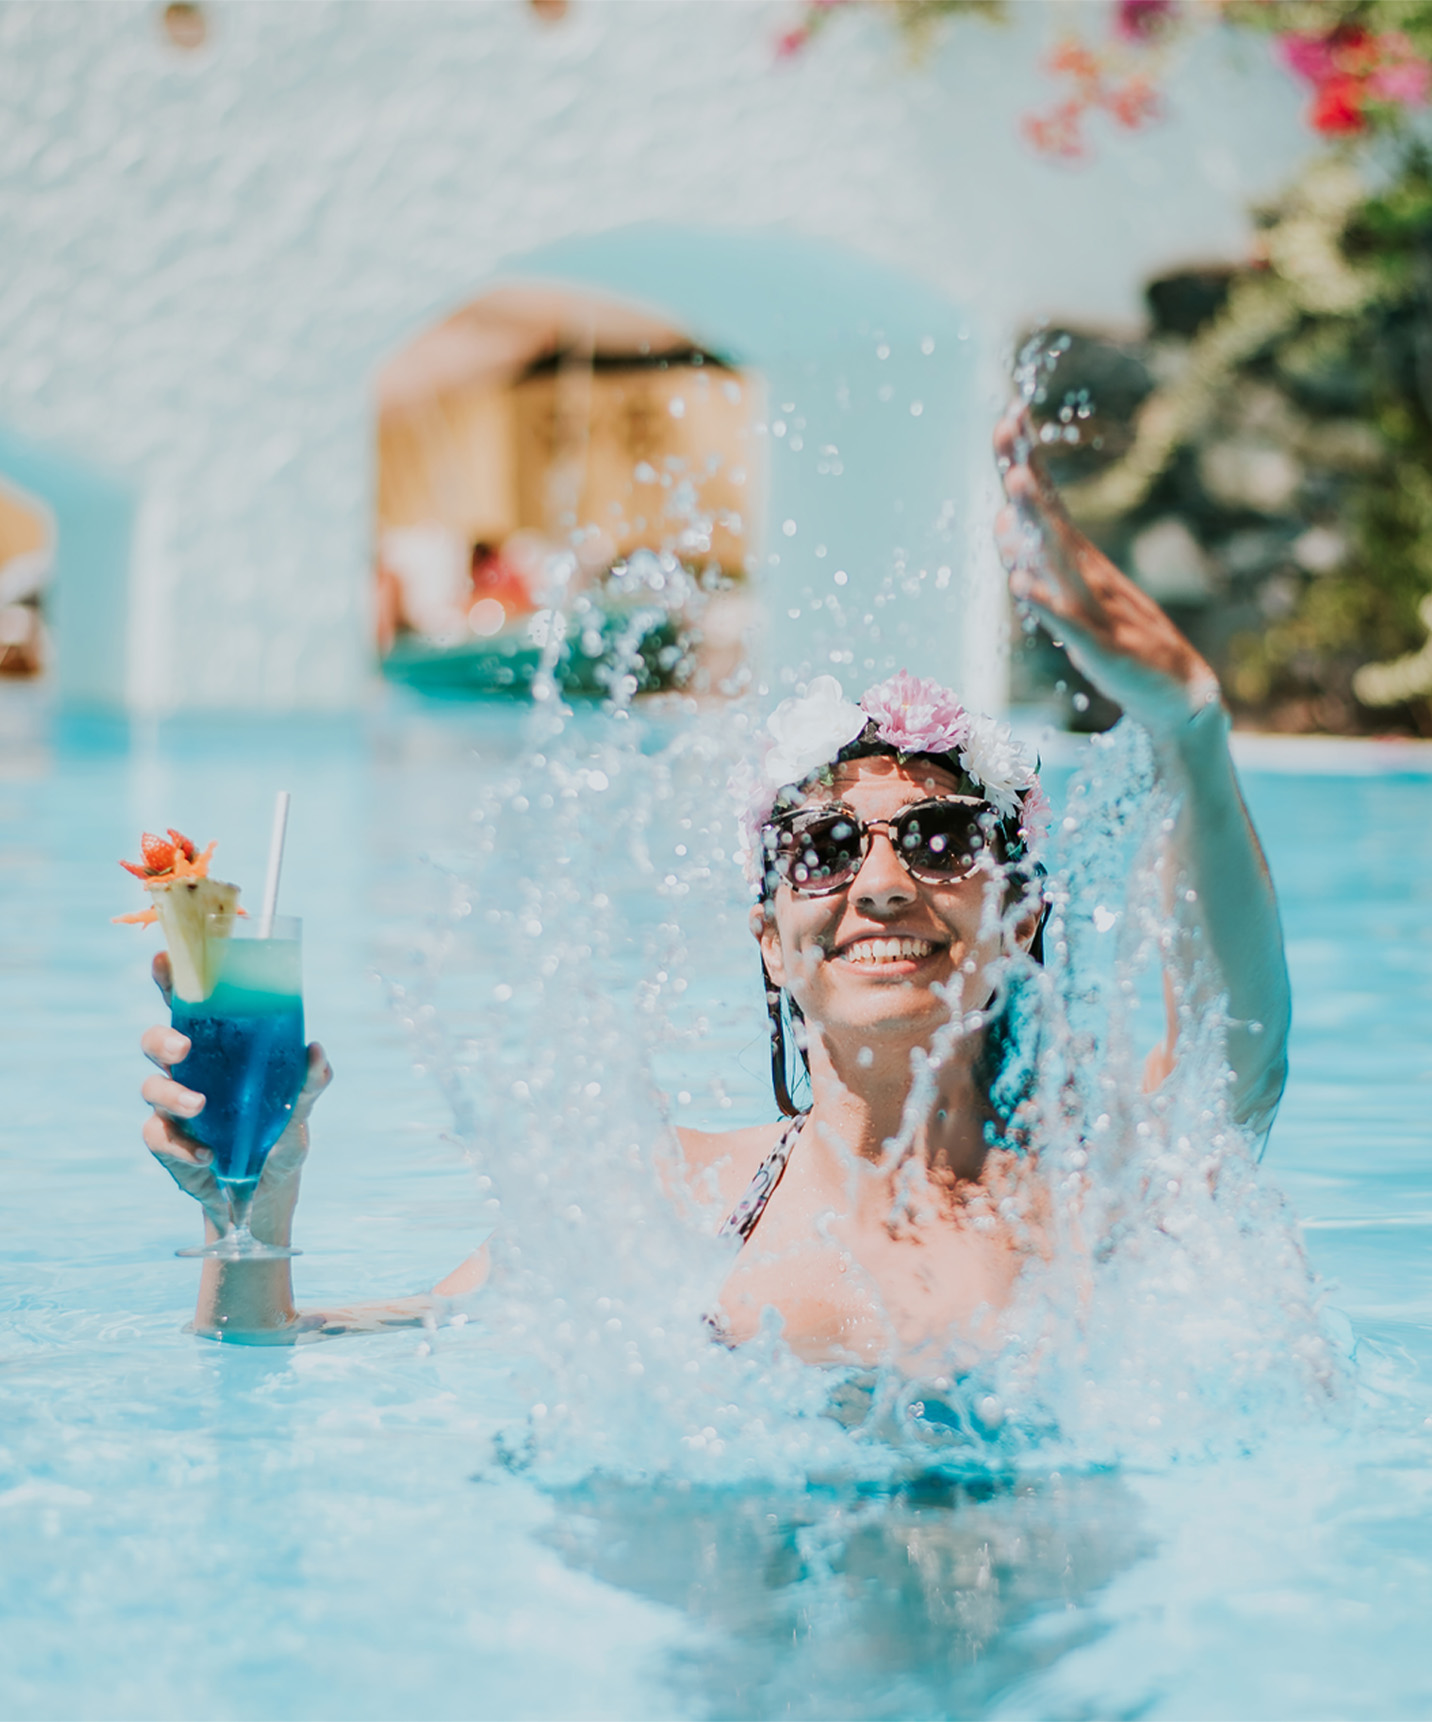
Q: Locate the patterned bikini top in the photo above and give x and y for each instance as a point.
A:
(741, 1221)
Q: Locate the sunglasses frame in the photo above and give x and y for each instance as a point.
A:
(866, 828)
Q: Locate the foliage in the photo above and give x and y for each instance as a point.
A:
(1367, 61)
(1272, 468)
(1287, 435)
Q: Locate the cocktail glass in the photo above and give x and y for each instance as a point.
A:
(247, 1058)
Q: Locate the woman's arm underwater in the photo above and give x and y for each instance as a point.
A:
(1119, 637)
(253, 1301)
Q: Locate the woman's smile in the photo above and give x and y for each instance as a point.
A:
(888, 953)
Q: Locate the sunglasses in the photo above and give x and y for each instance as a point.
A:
(819, 850)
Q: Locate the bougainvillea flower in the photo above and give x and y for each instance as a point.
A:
(1337, 109)
(1143, 20)
(1133, 103)
(1308, 57)
(1402, 76)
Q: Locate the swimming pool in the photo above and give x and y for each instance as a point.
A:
(193, 1529)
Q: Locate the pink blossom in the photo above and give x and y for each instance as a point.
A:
(1035, 813)
(915, 715)
(1405, 82)
(1142, 20)
(1310, 57)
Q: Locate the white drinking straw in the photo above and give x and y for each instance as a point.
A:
(280, 827)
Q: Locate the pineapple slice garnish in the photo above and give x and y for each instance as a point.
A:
(195, 911)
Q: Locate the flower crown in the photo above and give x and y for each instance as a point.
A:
(911, 715)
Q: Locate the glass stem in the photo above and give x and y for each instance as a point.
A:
(241, 1206)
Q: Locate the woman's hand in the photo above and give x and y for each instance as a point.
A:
(1132, 652)
(1115, 633)
(189, 1163)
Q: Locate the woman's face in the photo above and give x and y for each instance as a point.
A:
(868, 958)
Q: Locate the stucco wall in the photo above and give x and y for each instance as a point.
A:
(206, 256)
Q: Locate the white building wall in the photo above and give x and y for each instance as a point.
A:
(205, 256)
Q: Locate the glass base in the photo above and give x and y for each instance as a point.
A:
(239, 1249)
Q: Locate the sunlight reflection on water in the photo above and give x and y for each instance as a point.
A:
(331, 1530)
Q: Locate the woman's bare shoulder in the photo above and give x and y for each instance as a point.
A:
(728, 1158)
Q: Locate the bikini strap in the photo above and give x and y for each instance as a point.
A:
(741, 1221)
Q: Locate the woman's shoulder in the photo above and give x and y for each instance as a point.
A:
(726, 1160)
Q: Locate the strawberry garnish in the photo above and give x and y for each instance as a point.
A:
(158, 855)
(166, 859)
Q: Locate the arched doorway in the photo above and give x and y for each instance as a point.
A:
(550, 457)
(868, 547)
(27, 550)
(79, 579)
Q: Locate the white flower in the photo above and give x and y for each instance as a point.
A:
(997, 763)
(809, 732)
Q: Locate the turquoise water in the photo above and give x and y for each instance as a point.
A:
(361, 1528)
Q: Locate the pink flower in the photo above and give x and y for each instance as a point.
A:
(1035, 813)
(1143, 20)
(1403, 77)
(916, 716)
(1309, 57)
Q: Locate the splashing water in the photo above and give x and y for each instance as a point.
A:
(1166, 1308)
(1172, 1310)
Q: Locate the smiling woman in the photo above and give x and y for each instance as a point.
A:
(893, 847)
(891, 843)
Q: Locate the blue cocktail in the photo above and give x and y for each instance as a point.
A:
(247, 1058)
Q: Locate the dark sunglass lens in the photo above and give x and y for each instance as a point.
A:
(941, 842)
(822, 854)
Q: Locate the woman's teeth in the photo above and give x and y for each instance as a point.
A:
(887, 950)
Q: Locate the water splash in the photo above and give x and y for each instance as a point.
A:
(1173, 1310)
(1166, 1307)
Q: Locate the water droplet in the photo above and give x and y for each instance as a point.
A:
(789, 528)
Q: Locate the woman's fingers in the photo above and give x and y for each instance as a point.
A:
(166, 1095)
(1013, 435)
(278, 1188)
(166, 1141)
(165, 1047)
(188, 1163)
(318, 1077)
(163, 975)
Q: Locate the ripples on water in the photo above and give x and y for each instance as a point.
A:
(1174, 1494)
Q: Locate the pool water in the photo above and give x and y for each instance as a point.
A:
(355, 1528)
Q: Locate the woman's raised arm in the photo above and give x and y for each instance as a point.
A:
(1125, 644)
